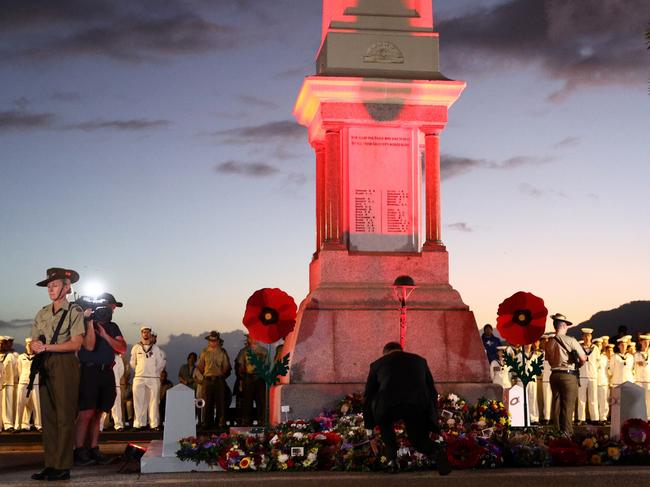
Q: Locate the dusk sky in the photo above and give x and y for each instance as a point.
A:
(151, 147)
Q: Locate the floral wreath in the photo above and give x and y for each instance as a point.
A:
(635, 433)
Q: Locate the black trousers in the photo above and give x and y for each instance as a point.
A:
(215, 400)
(253, 389)
(416, 422)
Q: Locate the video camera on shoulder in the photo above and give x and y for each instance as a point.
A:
(102, 310)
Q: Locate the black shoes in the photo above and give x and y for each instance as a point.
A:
(82, 457)
(96, 455)
(43, 474)
(52, 474)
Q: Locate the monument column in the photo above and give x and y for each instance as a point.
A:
(319, 148)
(333, 192)
(433, 236)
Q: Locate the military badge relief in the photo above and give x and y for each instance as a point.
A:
(384, 52)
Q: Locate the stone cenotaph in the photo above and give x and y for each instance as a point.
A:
(375, 112)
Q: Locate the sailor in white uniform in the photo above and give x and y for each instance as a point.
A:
(588, 390)
(622, 364)
(642, 369)
(147, 362)
(499, 371)
(27, 406)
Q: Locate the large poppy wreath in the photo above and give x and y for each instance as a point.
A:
(270, 315)
(636, 433)
(521, 319)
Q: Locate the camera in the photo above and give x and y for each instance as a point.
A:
(102, 311)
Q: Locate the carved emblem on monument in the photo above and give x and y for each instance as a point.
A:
(384, 52)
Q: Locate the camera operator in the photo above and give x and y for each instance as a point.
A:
(97, 383)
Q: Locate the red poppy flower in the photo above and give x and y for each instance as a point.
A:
(521, 319)
(636, 433)
(463, 452)
(565, 452)
(270, 315)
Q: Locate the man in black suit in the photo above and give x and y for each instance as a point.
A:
(400, 387)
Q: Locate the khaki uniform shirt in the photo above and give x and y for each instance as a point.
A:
(215, 362)
(557, 356)
(245, 365)
(46, 322)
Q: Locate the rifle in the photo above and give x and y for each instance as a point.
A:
(36, 367)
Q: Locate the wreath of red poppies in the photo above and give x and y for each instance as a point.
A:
(635, 433)
(270, 315)
(463, 452)
(521, 319)
(565, 452)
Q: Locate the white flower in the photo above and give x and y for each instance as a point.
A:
(451, 422)
(311, 457)
(298, 436)
(274, 440)
(453, 398)
(283, 458)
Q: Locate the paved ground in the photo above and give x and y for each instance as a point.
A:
(17, 463)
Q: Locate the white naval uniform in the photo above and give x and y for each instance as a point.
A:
(546, 390)
(588, 390)
(8, 389)
(147, 362)
(26, 406)
(500, 373)
(603, 387)
(642, 375)
(2, 372)
(116, 410)
(622, 368)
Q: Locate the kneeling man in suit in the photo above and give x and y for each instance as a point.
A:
(400, 387)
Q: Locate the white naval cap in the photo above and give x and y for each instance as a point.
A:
(28, 340)
(644, 337)
(587, 330)
(142, 328)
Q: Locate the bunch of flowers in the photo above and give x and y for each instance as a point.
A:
(294, 450)
(526, 449)
(245, 453)
(204, 450)
(489, 413)
(298, 425)
(566, 452)
(351, 404)
(453, 414)
(492, 454)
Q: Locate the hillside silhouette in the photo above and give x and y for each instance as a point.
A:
(635, 315)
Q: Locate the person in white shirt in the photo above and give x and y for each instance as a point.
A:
(499, 371)
(8, 360)
(642, 369)
(602, 381)
(27, 406)
(116, 410)
(622, 364)
(588, 390)
(2, 371)
(147, 362)
(545, 390)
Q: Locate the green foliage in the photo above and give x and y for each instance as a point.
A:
(269, 373)
(534, 368)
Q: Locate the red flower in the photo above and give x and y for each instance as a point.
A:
(565, 452)
(636, 433)
(463, 452)
(521, 319)
(270, 315)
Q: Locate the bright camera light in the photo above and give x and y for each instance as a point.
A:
(93, 289)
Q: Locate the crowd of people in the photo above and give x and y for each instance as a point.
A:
(608, 362)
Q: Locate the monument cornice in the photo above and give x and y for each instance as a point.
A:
(318, 91)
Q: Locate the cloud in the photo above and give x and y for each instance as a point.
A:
(15, 324)
(585, 43)
(284, 129)
(535, 192)
(121, 125)
(460, 227)
(249, 169)
(257, 102)
(126, 31)
(19, 120)
(66, 96)
(567, 142)
(452, 166)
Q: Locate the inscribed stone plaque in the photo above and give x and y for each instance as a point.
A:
(384, 196)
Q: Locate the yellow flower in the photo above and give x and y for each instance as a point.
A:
(588, 443)
(596, 460)
(613, 452)
(244, 463)
(502, 421)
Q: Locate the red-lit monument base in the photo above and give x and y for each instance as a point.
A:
(345, 322)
